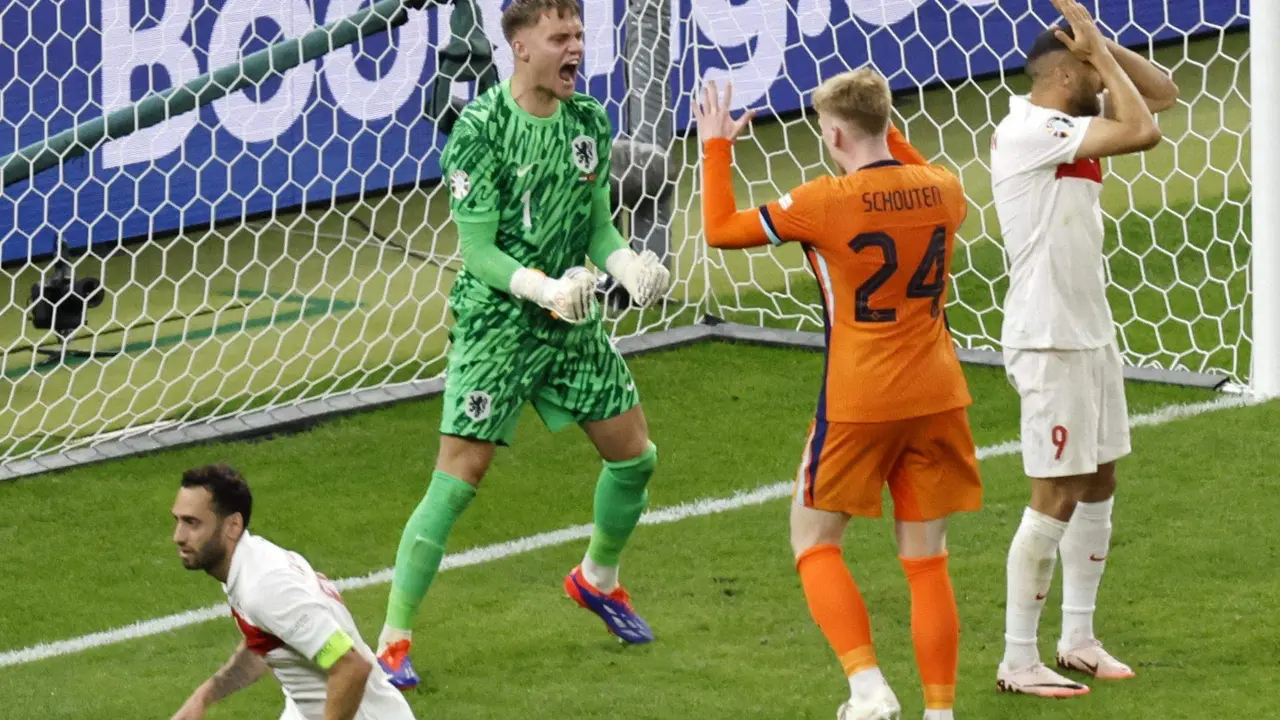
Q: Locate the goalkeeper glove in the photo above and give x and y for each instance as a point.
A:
(643, 275)
(570, 297)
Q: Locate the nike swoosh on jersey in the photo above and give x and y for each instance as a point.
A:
(521, 172)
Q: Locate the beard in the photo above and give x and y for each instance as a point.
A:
(205, 557)
(1086, 104)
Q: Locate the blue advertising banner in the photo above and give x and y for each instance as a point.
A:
(352, 121)
(776, 51)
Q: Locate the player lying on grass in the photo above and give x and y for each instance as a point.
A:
(528, 169)
(1059, 342)
(293, 619)
(892, 406)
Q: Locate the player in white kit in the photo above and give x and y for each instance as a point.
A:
(1059, 343)
(293, 619)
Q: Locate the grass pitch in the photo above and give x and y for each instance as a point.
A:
(88, 550)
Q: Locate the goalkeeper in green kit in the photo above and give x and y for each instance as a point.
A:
(527, 169)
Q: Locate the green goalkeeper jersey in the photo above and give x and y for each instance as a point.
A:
(536, 177)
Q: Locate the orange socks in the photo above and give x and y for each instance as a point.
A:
(837, 606)
(935, 628)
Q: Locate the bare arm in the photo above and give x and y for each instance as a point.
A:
(1134, 128)
(345, 689)
(242, 670)
(1154, 85)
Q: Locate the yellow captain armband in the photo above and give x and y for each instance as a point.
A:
(334, 648)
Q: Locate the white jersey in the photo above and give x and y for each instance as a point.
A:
(289, 614)
(1050, 215)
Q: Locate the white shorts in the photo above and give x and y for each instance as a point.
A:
(378, 704)
(291, 711)
(1074, 414)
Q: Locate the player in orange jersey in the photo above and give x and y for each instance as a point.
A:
(892, 409)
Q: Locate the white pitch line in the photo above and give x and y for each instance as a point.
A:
(499, 551)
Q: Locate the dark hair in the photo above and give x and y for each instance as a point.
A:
(522, 14)
(230, 492)
(1046, 43)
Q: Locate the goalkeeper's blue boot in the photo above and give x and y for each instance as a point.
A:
(614, 608)
(396, 664)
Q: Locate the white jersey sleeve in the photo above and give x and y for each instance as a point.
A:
(1048, 140)
(287, 606)
(294, 618)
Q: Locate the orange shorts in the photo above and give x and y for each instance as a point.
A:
(929, 463)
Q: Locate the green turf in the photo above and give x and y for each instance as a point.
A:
(89, 549)
(371, 275)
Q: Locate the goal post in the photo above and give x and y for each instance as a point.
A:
(283, 253)
(1264, 94)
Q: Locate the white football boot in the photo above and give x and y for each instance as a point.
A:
(1037, 680)
(1092, 659)
(879, 705)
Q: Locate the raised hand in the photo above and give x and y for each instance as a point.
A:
(1088, 40)
(712, 114)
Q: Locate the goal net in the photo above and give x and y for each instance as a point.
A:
(284, 251)
(1177, 246)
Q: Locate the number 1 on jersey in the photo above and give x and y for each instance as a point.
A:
(528, 213)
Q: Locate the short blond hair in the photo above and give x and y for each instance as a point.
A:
(859, 97)
(523, 14)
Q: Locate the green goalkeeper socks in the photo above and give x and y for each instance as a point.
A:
(422, 546)
(621, 498)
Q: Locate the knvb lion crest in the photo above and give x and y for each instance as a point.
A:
(479, 405)
(585, 156)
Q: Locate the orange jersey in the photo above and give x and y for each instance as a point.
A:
(880, 242)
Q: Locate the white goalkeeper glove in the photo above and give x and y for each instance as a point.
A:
(570, 297)
(643, 275)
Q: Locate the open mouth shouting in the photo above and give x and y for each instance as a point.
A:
(569, 73)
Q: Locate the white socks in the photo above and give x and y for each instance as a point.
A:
(1084, 544)
(1032, 558)
(939, 715)
(866, 682)
(604, 579)
(1084, 551)
(391, 636)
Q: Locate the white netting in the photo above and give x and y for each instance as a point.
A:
(1176, 217)
(290, 242)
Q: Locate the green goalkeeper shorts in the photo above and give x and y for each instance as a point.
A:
(493, 371)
